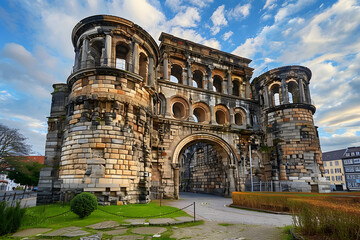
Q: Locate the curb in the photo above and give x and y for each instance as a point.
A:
(259, 210)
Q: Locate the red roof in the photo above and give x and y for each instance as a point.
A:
(39, 159)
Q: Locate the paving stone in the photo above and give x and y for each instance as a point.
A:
(97, 236)
(116, 231)
(136, 221)
(148, 230)
(76, 233)
(61, 231)
(128, 237)
(185, 219)
(104, 225)
(30, 232)
(161, 221)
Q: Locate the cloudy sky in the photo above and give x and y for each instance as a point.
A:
(36, 51)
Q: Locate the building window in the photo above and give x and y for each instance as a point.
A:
(324, 164)
(338, 178)
(337, 170)
(332, 178)
(332, 171)
(336, 163)
(331, 164)
(326, 171)
(327, 178)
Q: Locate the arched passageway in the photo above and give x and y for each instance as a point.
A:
(206, 164)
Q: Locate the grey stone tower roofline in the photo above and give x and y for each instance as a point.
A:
(109, 20)
(284, 69)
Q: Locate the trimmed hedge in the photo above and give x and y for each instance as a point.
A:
(83, 204)
(326, 216)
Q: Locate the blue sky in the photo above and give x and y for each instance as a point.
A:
(36, 50)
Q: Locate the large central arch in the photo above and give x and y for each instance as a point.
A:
(228, 155)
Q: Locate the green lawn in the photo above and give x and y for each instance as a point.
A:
(39, 216)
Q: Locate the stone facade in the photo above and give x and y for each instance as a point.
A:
(136, 119)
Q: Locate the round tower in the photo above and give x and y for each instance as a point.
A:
(291, 141)
(106, 140)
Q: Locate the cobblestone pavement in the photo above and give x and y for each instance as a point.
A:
(213, 208)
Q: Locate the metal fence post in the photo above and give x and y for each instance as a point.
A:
(260, 186)
(194, 213)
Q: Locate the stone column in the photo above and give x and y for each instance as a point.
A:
(176, 182)
(210, 80)
(84, 53)
(107, 53)
(76, 62)
(205, 82)
(135, 57)
(212, 116)
(266, 97)
(231, 116)
(308, 96)
(247, 87)
(189, 73)
(285, 95)
(165, 67)
(184, 77)
(223, 87)
(151, 72)
(229, 82)
(301, 90)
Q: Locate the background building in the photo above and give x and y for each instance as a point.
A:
(351, 162)
(334, 170)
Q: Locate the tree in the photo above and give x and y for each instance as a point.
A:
(25, 173)
(12, 144)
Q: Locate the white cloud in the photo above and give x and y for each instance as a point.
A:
(218, 19)
(192, 35)
(290, 9)
(190, 17)
(5, 96)
(269, 4)
(266, 17)
(240, 11)
(227, 35)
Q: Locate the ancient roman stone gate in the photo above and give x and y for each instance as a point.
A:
(135, 120)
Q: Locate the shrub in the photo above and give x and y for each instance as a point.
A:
(10, 217)
(83, 204)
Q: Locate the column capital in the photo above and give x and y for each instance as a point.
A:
(210, 67)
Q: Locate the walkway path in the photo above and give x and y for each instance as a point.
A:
(213, 208)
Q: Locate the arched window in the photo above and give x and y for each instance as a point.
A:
(96, 48)
(275, 94)
(201, 112)
(222, 115)
(179, 108)
(293, 91)
(217, 81)
(176, 74)
(198, 79)
(236, 87)
(143, 66)
(121, 55)
(239, 116)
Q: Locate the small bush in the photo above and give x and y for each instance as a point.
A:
(10, 218)
(83, 204)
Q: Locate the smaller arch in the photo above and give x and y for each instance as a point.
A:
(275, 95)
(202, 112)
(121, 56)
(179, 108)
(222, 114)
(217, 84)
(239, 117)
(176, 73)
(293, 91)
(198, 79)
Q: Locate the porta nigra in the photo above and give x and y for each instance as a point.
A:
(136, 120)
